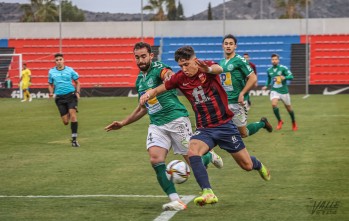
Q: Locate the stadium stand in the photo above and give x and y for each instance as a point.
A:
(259, 48)
(329, 56)
(100, 62)
(109, 62)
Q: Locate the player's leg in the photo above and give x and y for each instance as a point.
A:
(274, 97)
(229, 139)
(286, 98)
(29, 95)
(180, 131)
(158, 145)
(72, 103)
(25, 91)
(248, 163)
(200, 144)
(24, 96)
(63, 109)
(240, 120)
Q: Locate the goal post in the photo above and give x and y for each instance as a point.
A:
(15, 67)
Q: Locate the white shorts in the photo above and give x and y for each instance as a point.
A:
(283, 97)
(175, 134)
(240, 114)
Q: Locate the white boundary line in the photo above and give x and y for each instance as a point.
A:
(164, 216)
(84, 196)
(167, 215)
(306, 96)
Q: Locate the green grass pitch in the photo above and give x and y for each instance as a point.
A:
(308, 167)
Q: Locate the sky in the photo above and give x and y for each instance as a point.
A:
(191, 7)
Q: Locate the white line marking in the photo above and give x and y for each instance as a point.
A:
(164, 216)
(306, 96)
(84, 196)
(167, 215)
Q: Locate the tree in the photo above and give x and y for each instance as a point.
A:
(180, 13)
(156, 5)
(209, 12)
(71, 13)
(290, 7)
(40, 11)
(171, 10)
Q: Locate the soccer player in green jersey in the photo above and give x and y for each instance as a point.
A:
(277, 76)
(238, 79)
(169, 122)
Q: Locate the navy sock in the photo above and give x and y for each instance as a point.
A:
(256, 163)
(200, 172)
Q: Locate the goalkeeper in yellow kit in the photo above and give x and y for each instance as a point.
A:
(25, 82)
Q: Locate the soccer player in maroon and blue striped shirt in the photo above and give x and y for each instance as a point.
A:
(199, 82)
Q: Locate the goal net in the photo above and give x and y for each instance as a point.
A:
(11, 69)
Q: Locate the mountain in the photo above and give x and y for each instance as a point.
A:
(234, 9)
(251, 9)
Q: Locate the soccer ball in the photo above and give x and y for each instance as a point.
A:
(177, 171)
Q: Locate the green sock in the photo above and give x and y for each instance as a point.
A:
(254, 127)
(206, 159)
(292, 116)
(277, 113)
(166, 185)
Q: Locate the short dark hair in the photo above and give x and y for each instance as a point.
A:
(58, 55)
(230, 36)
(275, 55)
(140, 45)
(185, 52)
(246, 54)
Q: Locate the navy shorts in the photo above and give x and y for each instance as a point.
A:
(66, 102)
(226, 136)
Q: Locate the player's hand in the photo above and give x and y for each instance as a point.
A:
(145, 97)
(282, 77)
(168, 75)
(116, 125)
(50, 96)
(241, 99)
(77, 95)
(203, 67)
(264, 88)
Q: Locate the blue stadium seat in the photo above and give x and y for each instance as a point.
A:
(4, 43)
(259, 48)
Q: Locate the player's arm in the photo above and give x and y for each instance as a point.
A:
(30, 76)
(137, 114)
(287, 74)
(50, 89)
(166, 74)
(247, 72)
(267, 83)
(77, 88)
(250, 83)
(152, 93)
(213, 69)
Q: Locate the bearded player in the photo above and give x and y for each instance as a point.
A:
(277, 76)
(199, 82)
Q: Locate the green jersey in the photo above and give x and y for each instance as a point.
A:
(233, 78)
(274, 79)
(165, 107)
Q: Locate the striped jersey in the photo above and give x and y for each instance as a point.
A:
(206, 95)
